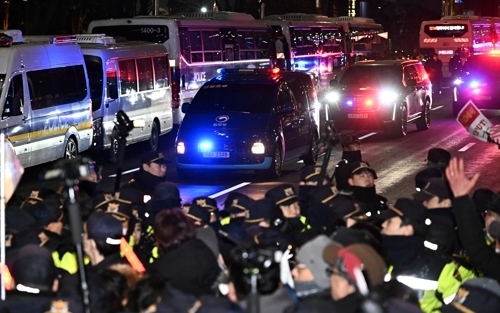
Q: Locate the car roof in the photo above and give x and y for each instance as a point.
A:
(260, 77)
(385, 62)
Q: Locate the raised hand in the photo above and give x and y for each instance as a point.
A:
(459, 183)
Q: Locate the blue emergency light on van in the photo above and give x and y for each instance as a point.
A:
(249, 120)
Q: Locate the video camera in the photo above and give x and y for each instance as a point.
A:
(69, 169)
(261, 261)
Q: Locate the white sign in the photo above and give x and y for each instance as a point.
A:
(474, 121)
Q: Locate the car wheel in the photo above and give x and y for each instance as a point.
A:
(154, 140)
(424, 121)
(275, 169)
(312, 154)
(71, 150)
(400, 126)
(184, 173)
(456, 108)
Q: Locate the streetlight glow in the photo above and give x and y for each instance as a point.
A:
(204, 10)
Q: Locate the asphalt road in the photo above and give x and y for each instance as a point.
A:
(395, 160)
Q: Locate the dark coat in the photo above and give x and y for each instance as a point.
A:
(471, 234)
(316, 303)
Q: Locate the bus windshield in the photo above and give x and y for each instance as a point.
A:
(240, 98)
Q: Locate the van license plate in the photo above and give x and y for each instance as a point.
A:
(357, 115)
(216, 154)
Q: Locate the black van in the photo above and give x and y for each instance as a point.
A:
(249, 119)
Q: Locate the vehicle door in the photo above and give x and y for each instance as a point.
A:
(289, 120)
(410, 81)
(424, 83)
(17, 121)
(302, 118)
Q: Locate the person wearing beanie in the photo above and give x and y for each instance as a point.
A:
(311, 284)
(416, 262)
(353, 271)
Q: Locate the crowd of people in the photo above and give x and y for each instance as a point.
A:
(329, 243)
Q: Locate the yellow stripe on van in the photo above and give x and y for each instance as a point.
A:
(45, 133)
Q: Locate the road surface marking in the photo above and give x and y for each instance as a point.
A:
(437, 108)
(366, 136)
(467, 147)
(126, 172)
(228, 190)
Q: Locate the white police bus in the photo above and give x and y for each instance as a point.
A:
(308, 43)
(45, 98)
(132, 76)
(198, 45)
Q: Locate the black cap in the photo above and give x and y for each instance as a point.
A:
(46, 211)
(438, 157)
(359, 167)
(240, 205)
(198, 214)
(165, 196)
(284, 194)
(206, 203)
(120, 209)
(34, 267)
(436, 187)
(425, 175)
(481, 198)
(18, 220)
(324, 194)
(153, 157)
(350, 139)
(261, 210)
(104, 227)
(409, 210)
(310, 173)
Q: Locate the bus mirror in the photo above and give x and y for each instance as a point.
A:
(12, 106)
(185, 107)
(113, 91)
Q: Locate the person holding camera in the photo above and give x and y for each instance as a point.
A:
(414, 262)
(311, 285)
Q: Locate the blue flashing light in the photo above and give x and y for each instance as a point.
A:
(349, 102)
(205, 146)
(220, 70)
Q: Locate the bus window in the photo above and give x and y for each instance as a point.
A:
(230, 41)
(161, 71)
(96, 75)
(262, 44)
(111, 82)
(196, 47)
(128, 76)
(184, 44)
(211, 46)
(145, 69)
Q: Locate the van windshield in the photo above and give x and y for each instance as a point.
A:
(240, 98)
(371, 75)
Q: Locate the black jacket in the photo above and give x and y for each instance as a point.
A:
(316, 303)
(471, 234)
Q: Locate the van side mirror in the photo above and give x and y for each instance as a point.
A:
(185, 107)
(287, 108)
(334, 82)
(12, 106)
(113, 91)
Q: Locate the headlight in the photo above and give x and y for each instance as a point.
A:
(332, 96)
(258, 148)
(388, 96)
(181, 149)
(457, 82)
(474, 84)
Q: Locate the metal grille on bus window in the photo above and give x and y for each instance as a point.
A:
(161, 71)
(211, 46)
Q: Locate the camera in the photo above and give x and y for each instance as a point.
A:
(69, 169)
(262, 262)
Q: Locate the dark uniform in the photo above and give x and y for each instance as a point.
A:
(143, 180)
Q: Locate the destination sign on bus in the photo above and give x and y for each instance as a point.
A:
(445, 30)
(446, 27)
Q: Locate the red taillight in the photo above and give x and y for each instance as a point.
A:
(176, 95)
(369, 102)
